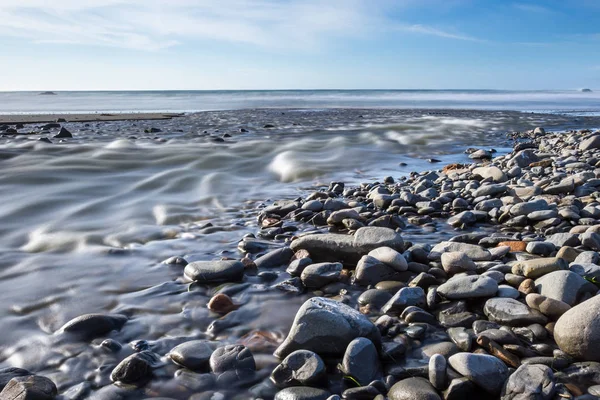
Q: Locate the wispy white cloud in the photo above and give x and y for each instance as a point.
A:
(428, 30)
(157, 24)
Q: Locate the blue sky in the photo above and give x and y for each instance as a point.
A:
(304, 44)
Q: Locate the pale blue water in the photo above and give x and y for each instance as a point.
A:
(572, 102)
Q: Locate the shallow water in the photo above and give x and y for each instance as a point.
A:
(85, 223)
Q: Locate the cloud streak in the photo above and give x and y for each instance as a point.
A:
(158, 24)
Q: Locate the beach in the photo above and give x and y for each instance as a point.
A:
(300, 253)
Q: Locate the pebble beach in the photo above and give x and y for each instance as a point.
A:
(459, 263)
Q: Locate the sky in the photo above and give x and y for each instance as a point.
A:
(299, 44)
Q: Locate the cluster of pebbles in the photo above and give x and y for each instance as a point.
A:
(506, 309)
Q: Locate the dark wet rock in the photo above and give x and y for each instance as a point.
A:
(362, 393)
(232, 357)
(405, 297)
(339, 247)
(318, 275)
(222, 304)
(487, 372)
(577, 331)
(89, 326)
(530, 382)
(297, 266)
(275, 258)
(31, 387)
(511, 312)
(413, 389)
(327, 327)
(136, 368)
(583, 374)
(374, 297)
(194, 355)
(461, 388)
(63, 134)
(565, 286)
(464, 287)
(300, 368)
(45, 140)
(361, 361)
(215, 271)
(302, 393)
(6, 374)
(293, 285)
(176, 260)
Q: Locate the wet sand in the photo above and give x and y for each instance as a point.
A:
(87, 117)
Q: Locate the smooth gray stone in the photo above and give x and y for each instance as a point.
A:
(275, 258)
(302, 393)
(577, 331)
(327, 327)
(370, 271)
(565, 286)
(511, 312)
(374, 297)
(215, 271)
(300, 368)
(318, 275)
(528, 207)
(523, 158)
(474, 252)
(487, 372)
(405, 297)
(90, 326)
(390, 257)
(464, 287)
(543, 249)
(361, 361)
(194, 355)
(564, 239)
(490, 190)
(413, 389)
(495, 173)
(530, 382)
(437, 371)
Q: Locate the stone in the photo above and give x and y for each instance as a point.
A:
(318, 275)
(593, 142)
(413, 389)
(543, 249)
(302, 393)
(511, 312)
(514, 245)
(530, 382)
(297, 266)
(565, 286)
(462, 219)
(374, 297)
(194, 355)
(136, 368)
(90, 326)
(538, 267)
(345, 248)
(487, 372)
(6, 374)
(300, 368)
(214, 271)
(577, 331)
(405, 297)
(221, 304)
(390, 257)
(454, 262)
(465, 287)
(490, 190)
(492, 172)
(547, 306)
(63, 134)
(370, 271)
(437, 371)
(591, 240)
(326, 327)
(31, 387)
(523, 158)
(564, 239)
(474, 252)
(275, 258)
(361, 361)
(527, 208)
(232, 358)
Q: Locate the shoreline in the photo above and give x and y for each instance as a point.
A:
(11, 119)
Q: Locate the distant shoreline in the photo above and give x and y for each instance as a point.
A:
(83, 117)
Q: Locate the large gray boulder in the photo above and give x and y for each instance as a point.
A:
(577, 331)
(326, 327)
(346, 248)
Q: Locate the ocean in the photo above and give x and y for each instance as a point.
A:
(543, 101)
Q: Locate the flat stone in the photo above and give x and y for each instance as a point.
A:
(487, 372)
(194, 355)
(318, 275)
(564, 239)
(526, 208)
(326, 327)
(577, 331)
(275, 258)
(215, 271)
(490, 190)
(90, 326)
(413, 389)
(511, 312)
(465, 287)
(474, 252)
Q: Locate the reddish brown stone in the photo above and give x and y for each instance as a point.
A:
(222, 304)
(515, 245)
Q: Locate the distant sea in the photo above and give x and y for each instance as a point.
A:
(546, 101)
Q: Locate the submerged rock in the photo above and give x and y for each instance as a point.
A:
(90, 326)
